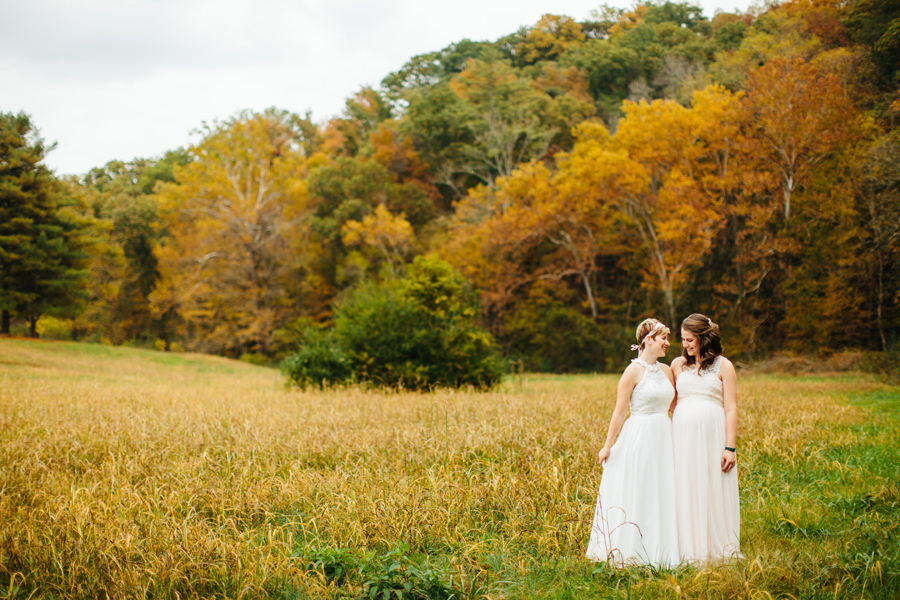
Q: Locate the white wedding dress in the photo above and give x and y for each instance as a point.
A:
(634, 521)
(706, 499)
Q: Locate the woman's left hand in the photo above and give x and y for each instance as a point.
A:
(728, 461)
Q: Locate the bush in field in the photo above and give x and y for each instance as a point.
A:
(51, 328)
(319, 362)
(290, 337)
(417, 333)
(254, 358)
(884, 365)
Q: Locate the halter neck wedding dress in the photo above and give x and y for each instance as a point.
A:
(634, 520)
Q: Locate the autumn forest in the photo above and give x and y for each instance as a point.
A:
(577, 177)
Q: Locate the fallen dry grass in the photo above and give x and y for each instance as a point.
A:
(129, 473)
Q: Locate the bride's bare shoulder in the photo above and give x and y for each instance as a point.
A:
(678, 362)
(632, 374)
(726, 365)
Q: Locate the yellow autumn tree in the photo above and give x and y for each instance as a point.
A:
(486, 245)
(552, 35)
(552, 210)
(390, 234)
(670, 181)
(629, 20)
(231, 217)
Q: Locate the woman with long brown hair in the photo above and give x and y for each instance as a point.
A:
(704, 433)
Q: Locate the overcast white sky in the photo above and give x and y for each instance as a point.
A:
(119, 79)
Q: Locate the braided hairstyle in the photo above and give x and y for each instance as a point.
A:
(708, 338)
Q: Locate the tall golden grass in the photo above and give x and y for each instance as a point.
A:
(131, 473)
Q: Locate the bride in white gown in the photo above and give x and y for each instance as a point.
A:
(704, 428)
(634, 520)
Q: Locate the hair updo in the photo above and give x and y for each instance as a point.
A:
(649, 328)
(708, 339)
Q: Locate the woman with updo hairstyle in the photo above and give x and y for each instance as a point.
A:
(634, 520)
(704, 431)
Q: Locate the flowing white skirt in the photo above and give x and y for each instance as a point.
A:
(706, 499)
(634, 521)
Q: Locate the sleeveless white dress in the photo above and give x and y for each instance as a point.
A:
(706, 499)
(634, 520)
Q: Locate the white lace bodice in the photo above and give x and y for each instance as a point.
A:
(694, 384)
(654, 392)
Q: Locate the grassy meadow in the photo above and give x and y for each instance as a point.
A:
(129, 473)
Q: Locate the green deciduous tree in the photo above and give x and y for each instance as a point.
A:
(876, 24)
(124, 268)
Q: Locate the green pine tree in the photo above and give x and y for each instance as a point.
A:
(42, 242)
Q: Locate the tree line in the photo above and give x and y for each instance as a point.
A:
(579, 175)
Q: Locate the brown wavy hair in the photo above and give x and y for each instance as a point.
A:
(707, 334)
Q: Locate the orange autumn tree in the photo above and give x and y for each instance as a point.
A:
(527, 213)
(665, 172)
(665, 169)
(629, 20)
(800, 115)
(231, 217)
(802, 138)
(580, 227)
(395, 152)
(488, 248)
(347, 135)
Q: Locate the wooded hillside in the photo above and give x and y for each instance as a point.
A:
(580, 175)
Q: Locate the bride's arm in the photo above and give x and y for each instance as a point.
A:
(729, 390)
(673, 376)
(629, 379)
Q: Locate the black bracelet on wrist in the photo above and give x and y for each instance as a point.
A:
(731, 449)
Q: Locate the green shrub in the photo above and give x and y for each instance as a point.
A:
(320, 362)
(401, 576)
(884, 365)
(255, 358)
(334, 564)
(396, 574)
(51, 328)
(290, 337)
(19, 329)
(438, 289)
(417, 333)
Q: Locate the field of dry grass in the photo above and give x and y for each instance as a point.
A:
(139, 474)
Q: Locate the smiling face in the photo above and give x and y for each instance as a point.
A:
(690, 342)
(657, 345)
